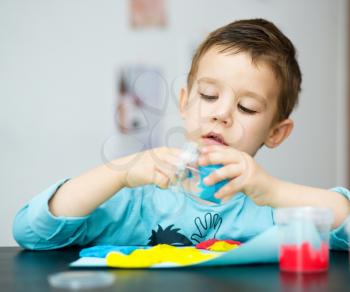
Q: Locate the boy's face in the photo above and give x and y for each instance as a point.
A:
(232, 102)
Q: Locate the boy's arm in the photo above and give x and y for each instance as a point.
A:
(58, 216)
(285, 194)
(245, 175)
(35, 227)
(64, 213)
(83, 194)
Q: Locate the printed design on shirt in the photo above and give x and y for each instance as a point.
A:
(169, 235)
(209, 225)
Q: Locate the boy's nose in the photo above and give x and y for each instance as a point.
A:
(223, 112)
(225, 119)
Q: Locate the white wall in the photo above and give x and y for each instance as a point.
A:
(57, 85)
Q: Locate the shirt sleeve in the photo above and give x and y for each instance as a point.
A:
(35, 227)
(339, 237)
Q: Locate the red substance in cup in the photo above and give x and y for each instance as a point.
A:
(304, 258)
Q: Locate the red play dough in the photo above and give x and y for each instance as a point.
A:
(304, 258)
(207, 243)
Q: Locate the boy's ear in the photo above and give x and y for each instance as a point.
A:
(183, 100)
(279, 133)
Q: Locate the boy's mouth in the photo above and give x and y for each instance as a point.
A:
(214, 138)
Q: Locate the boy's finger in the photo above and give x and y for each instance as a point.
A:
(161, 179)
(227, 198)
(225, 156)
(215, 148)
(230, 171)
(158, 155)
(169, 168)
(165, 160)
(211, 148)
(228, 190)
(174, 152)
(170, 162)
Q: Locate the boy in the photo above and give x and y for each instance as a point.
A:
(242, 86)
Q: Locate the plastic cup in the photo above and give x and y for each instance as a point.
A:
(304, 238)
(347, 230)
(347, 226)
(189, 178)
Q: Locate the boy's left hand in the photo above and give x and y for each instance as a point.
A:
(240, 169)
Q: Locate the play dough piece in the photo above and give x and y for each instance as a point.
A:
(208, 192)
(205, 244)
(208, 243)
(222, 246)
(161, 253)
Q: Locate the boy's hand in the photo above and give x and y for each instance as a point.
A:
(243, 173)
(154, 166)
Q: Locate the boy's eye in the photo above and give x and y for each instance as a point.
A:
(209, 97)
(246, 110)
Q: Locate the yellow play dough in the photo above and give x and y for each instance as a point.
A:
(222, 246)
(161, 253)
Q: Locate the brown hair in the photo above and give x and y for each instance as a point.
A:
(264, 42)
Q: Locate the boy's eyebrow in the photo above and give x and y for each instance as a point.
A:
(208, 80)
(253, 94)
(247, 93)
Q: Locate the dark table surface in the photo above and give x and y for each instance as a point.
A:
(22, 270)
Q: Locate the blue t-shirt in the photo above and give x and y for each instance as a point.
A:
(148, 215)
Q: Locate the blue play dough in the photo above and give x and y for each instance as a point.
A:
(208, 192)
(100, 251)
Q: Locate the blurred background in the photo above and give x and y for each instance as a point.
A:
(85, 81)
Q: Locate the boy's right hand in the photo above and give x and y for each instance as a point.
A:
(154, 166)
